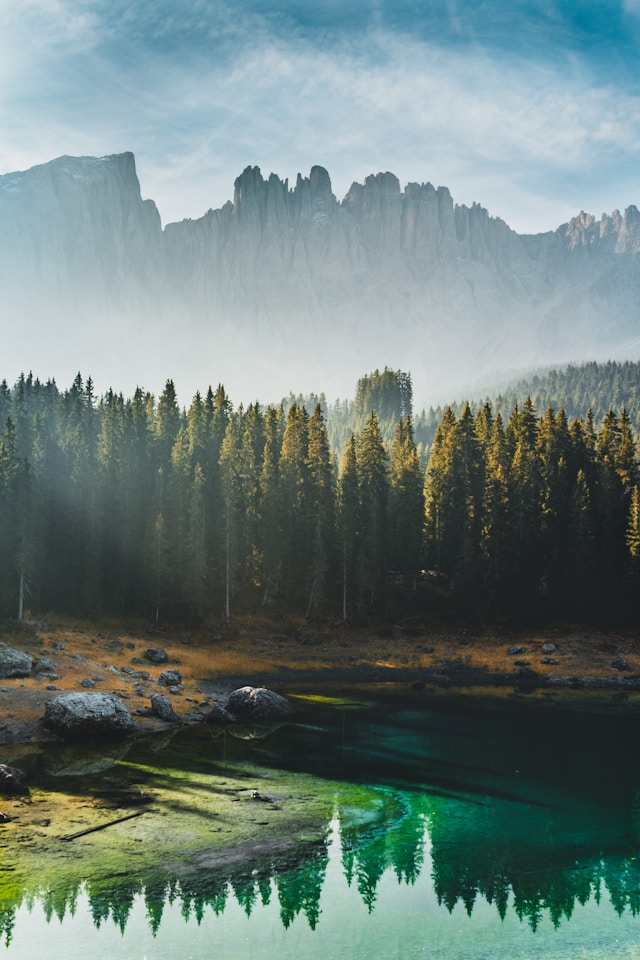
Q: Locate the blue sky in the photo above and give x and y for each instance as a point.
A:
(530, 107)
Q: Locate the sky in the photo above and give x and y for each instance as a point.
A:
(529, 107)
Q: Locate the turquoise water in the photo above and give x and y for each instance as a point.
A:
(425, 831)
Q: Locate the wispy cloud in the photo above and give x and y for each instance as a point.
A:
(201, 90)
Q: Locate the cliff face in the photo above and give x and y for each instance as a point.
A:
(288, 288)
(77, 227)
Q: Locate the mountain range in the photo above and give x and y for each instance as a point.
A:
(288, 288)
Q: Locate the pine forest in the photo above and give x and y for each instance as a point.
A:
(135, 506)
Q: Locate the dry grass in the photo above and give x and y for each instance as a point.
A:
(257, 647)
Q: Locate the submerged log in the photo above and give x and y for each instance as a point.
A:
(103, 826)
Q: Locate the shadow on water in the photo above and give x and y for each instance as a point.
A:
(532, 811)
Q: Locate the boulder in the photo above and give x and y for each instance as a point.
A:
(215, 713)
(12, 780)
(80, 715)
(258, 703)
(161, 708)
(170, 678)
(44, 665)
(156, 655)
(14, 663)
(619, 663)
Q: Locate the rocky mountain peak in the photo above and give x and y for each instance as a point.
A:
(616, 232)
(288, 283)
(320, 184)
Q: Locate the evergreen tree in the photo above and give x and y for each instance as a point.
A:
(580, 579)
(321, 499)
(195, 572)
(523, 562)
(373, 477)
(272, 506)
(553, 449)
(233, 507)
(294, 480)
(633, 543)
(349, 520)
(443, 504)
(494, 532)
(406, 501)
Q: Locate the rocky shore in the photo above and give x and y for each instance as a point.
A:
(167, 674)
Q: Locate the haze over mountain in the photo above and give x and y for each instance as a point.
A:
(287, 288)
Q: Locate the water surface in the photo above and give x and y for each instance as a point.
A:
(386, 825)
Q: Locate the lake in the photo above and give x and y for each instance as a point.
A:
(383, 823)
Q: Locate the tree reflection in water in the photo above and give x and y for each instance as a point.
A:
(538, 852)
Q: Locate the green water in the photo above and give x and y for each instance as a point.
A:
(385, 827)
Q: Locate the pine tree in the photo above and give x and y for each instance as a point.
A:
(349, 520)
(158, 554)
(195, 568)
(633, 540)
(443, 504)
(293, 472)
(232, 493)
(321, 508)
(612, 509)
(250, 459)
(406, 501)
(553, 451)
(581, 559)
(523, 563)
(167, 423)
(272, 506)
(495, 514)
(373, 477)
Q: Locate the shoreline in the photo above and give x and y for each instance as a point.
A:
(287, 655)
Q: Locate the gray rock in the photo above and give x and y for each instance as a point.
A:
(91, 715)
(161, 708)
(12, 780)
(156, 655)
(43, 665)
(88, 682)
(619, 663)
(216, 713)
(549, 648)
(258, 703)
(14, 663)
(550, 661)
(170, 678)
(516, 650)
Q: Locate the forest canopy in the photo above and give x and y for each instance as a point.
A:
(136, 506)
